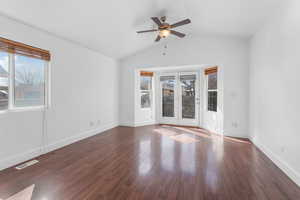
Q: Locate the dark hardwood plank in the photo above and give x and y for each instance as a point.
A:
(146, 163)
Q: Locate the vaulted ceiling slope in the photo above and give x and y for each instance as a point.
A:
(110, 26)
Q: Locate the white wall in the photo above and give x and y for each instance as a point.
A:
(84, 89)
(274, 89)
(230, 53)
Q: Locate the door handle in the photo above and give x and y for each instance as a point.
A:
(198, 101)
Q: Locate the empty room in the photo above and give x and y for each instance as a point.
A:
(149, 100)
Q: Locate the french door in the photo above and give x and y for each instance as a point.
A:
(179, 98)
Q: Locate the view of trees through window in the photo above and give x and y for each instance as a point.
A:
(168, 98)
(146, 89)
(212, 89)
(188, 95)
(28, 81)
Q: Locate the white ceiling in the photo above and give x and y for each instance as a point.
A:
(109, 26)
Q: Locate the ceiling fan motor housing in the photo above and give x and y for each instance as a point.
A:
(163, 19)
(164, 26)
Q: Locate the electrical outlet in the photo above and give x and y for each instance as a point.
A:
(99, 122)
(91, 123)
(235, 124)
(282, 149)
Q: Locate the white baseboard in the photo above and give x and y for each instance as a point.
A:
(78, 137)
(284, 166)
(129, 124)
(146, 123)
(16, 159)
(239, 133)
(137, 124)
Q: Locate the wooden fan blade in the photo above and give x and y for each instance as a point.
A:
(147, 31)
(183, 22)
(157, 21)
(181, 35)
(158, 38)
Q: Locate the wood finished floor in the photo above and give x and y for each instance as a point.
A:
(146, 163)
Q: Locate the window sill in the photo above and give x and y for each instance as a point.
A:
(210, 111)
(146, 108)
(24, 109)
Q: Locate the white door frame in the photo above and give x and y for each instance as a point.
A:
(177, 119)
(185, 121)
(168, 120)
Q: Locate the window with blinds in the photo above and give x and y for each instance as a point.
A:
(23, 75)
(146, 89)
(212, 88)
(14, 47)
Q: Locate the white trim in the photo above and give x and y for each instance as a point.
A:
(212, 120)
(241, 133)
(196, 120)
(162, 119)
(284, 166)
(29, 108)
(129, 124)
(78, 137)
(11, 88)
(178, 119)
(19, 158)
(47, 89)
(147, 108)
(22, 157)
(23, 109)
(11, 81)
(146, 123)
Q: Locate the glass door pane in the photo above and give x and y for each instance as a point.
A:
(168, 85)
(188, 96)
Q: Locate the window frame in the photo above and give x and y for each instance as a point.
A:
(211, 90)
(150, 90)
(11, 87)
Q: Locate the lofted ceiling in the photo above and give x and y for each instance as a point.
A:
(110, 26)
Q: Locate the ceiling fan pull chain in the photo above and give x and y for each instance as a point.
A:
(165, 49)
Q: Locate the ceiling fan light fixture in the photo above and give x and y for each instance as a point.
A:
(164, 33)
(165, 29)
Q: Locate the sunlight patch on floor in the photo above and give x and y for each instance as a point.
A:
(165, 132)
(184, 139)
(25, 194)
(194, 132)
(210, 135)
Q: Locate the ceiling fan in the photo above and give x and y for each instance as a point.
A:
(164, 29)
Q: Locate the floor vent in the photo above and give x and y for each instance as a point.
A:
(27, 164)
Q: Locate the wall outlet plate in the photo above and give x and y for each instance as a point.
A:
(235, 124)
